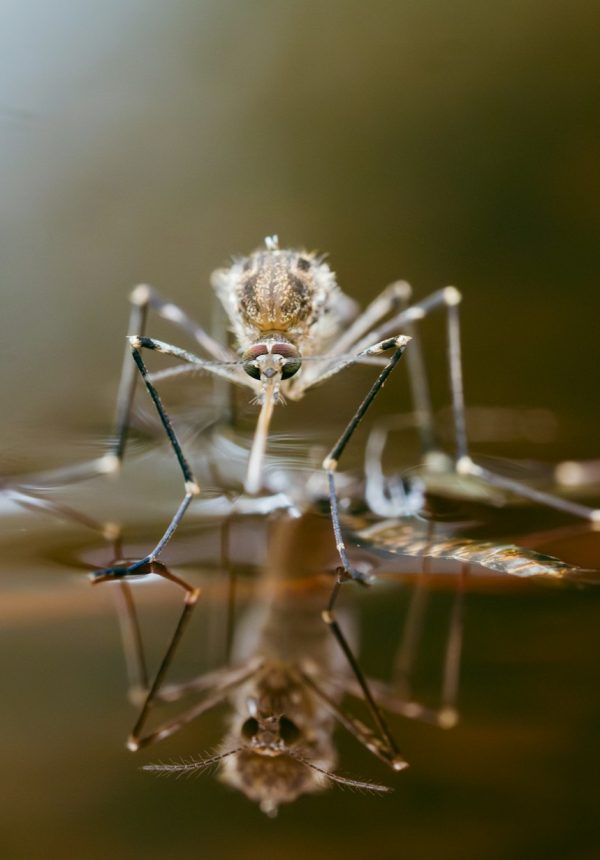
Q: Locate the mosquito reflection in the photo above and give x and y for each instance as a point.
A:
(287, 680)
(288, 676)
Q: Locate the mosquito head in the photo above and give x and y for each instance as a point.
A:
(270, 735)
(269, 767)
(273, 759)
(271, 359)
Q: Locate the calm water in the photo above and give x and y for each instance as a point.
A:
(516, 775)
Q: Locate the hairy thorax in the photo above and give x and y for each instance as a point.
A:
(276, 293)
(283, 295)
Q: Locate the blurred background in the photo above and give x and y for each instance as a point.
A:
(148, 141)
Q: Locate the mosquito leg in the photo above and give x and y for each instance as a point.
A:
(464, 463)
(403, 670)
(173, 313)
(227, 565)
(33, 501)
(398, 296)
(408, 318)
(448, 714)
(214, 696)
(450, 298)
(394, 296)
(331, 461)
(395, 496)
(152, 694)
(363, 734)
(191, 598)
(137, 324)
(191, 487)
(382, 743)
(404, 660)
(421, 395)
(397, 697)
(133, 647)
(142, 299)
(225, 676)
(466, 466)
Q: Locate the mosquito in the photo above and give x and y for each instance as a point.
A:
(286, 679)
(295, 329)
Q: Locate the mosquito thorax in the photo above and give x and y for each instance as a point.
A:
(292, 293)
(273, 356)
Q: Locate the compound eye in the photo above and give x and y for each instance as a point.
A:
(251, 369)
(288, 731)
(291, 366)
(250, 728)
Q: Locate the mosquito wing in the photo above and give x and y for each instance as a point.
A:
(417, 539)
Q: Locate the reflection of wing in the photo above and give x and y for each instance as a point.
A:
(417, 539)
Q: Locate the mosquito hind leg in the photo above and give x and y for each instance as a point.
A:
(398, 697)
(451, 298)
(466, 466)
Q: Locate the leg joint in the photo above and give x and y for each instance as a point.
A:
(141, 295)
(452, 296)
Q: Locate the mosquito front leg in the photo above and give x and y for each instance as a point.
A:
(398, 344)
(143, 298)
(191, 487)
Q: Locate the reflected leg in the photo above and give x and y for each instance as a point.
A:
(382, 743)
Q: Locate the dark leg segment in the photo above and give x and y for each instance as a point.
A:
(382, 744)
(331, 461)
(191, 487)
(143, 298)
(191, 598)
